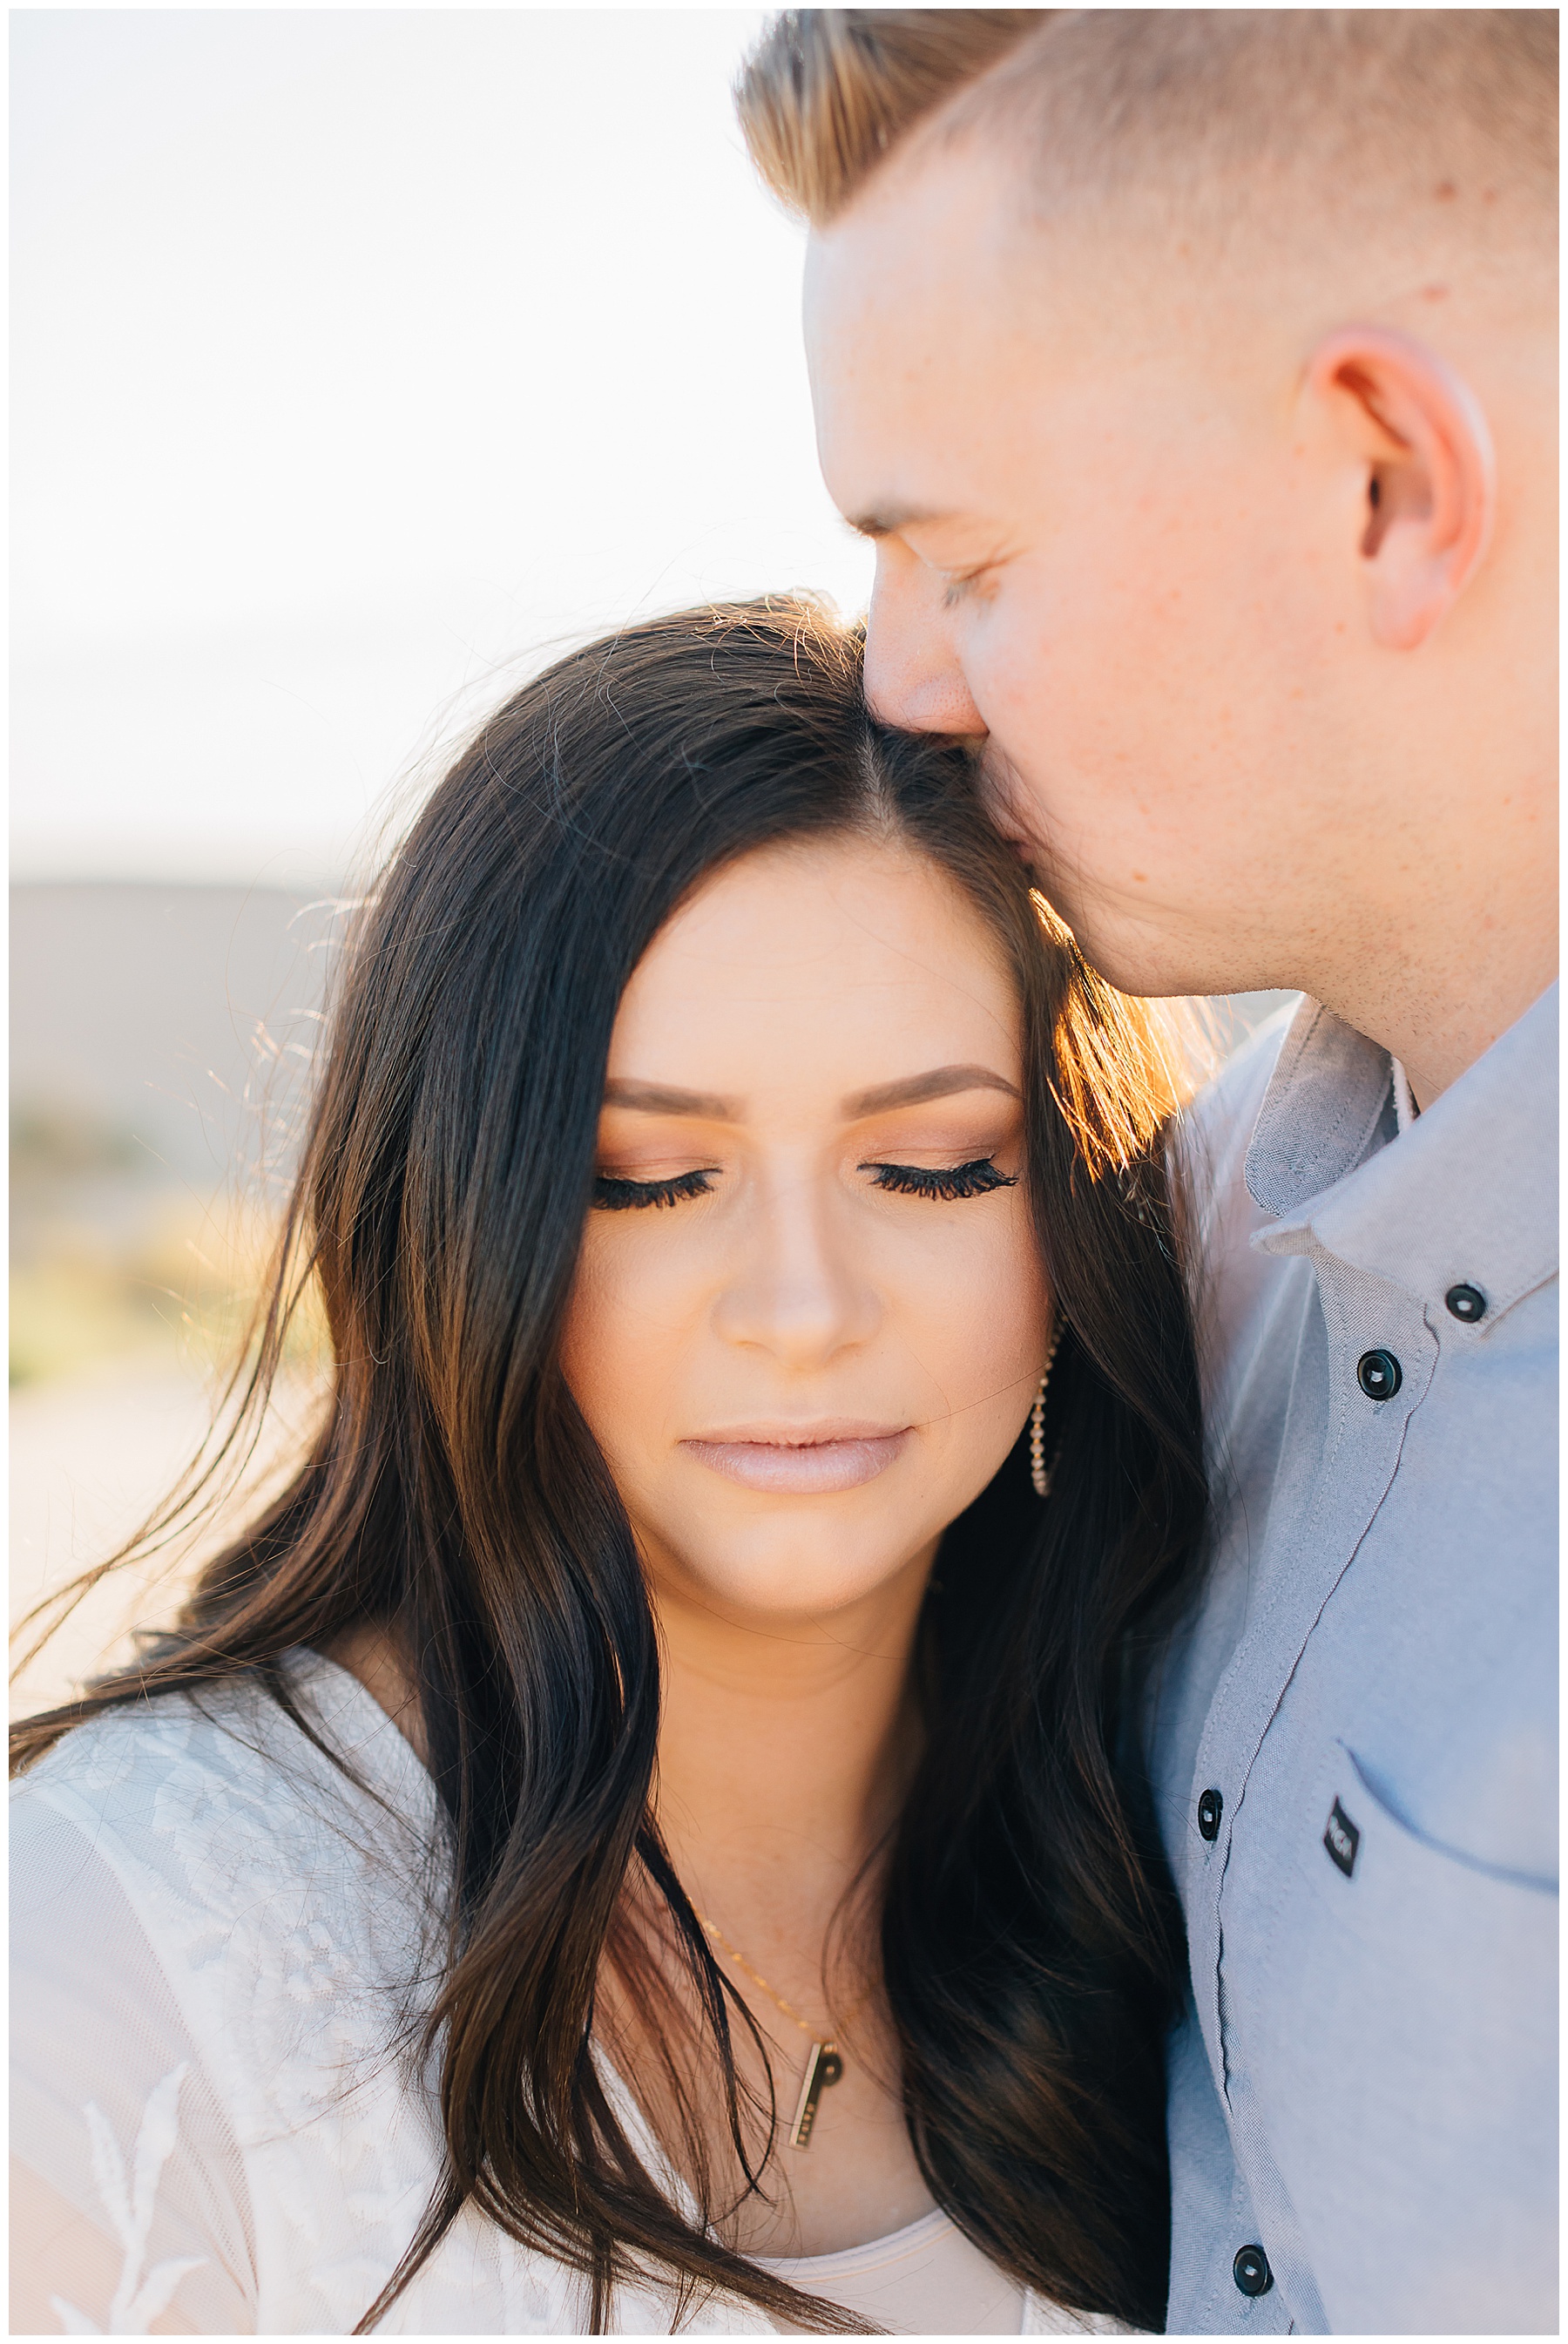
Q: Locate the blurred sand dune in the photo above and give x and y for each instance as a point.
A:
(160, 1052)
(91, 1457)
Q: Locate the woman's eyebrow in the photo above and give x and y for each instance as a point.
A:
(664, 1098)
(915, 1090)
(912, 1090)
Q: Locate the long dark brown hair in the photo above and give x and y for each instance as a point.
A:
(454, 1499)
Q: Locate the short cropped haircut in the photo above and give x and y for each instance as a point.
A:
(1425, 104)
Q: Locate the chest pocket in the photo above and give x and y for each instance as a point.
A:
(1411, 2070)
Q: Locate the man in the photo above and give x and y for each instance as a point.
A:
(1194, 373)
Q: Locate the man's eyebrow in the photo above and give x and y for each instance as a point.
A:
(915, 1090)
(664, 1098)
(885, 520)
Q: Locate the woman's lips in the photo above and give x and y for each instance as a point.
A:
(801, 1461)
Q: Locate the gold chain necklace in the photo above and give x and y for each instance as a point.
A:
(825, 2064)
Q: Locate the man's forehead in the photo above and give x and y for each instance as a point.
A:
(942, 233)
(950, 384)
(916, 377)
(951, 301)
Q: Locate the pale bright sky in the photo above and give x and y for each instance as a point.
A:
(358, 356)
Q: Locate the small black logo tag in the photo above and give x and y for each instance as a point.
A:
(1342, 1839)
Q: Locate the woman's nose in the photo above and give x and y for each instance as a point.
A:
(913, 676)
(796, 1290)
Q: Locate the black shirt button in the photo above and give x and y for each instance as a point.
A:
(1379, 1376)
(1251, 2271)
(1211, 1807)
(1466, 1302)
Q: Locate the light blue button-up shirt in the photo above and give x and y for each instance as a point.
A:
(1366, 2084)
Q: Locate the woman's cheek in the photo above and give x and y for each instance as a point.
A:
(986, 1303)
(597, 1339)
(627, 1331)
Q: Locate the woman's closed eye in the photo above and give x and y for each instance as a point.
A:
(612, 1194)
(976, 1178)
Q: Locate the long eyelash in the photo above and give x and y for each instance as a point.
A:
(612, 1196)
(974, 1179)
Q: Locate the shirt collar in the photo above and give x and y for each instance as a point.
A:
(1467, 1195)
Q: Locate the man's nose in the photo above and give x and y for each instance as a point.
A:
(913, 677)
(796, 1290)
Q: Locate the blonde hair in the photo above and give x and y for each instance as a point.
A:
(1449, 105)
(827, 92)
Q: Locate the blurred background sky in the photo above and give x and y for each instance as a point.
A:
(356, 356)
(359, 360)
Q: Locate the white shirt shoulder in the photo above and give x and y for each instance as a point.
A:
(227, 2099)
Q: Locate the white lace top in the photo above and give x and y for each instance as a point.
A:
(215, 1938)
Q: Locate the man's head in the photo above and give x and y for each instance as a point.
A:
(1194, 373)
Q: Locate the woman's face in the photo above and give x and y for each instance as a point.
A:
(809, 1317)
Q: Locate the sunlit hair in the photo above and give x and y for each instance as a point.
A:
(1383, 111)
(827, 92)
(454, 1499)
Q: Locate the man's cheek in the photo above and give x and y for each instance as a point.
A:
(1010, 673)
(1033, 693)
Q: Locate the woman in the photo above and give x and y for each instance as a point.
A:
(642, 1830)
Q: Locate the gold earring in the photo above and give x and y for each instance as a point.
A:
(1038, 1473)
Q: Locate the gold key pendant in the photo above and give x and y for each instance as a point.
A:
(823, 2067)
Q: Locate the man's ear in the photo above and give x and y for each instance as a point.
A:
(1431, 476)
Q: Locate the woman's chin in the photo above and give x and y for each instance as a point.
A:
(794, 1580)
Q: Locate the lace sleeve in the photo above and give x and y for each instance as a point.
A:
(129, 2213)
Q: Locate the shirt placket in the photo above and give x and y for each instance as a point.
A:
(1380, 1355)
